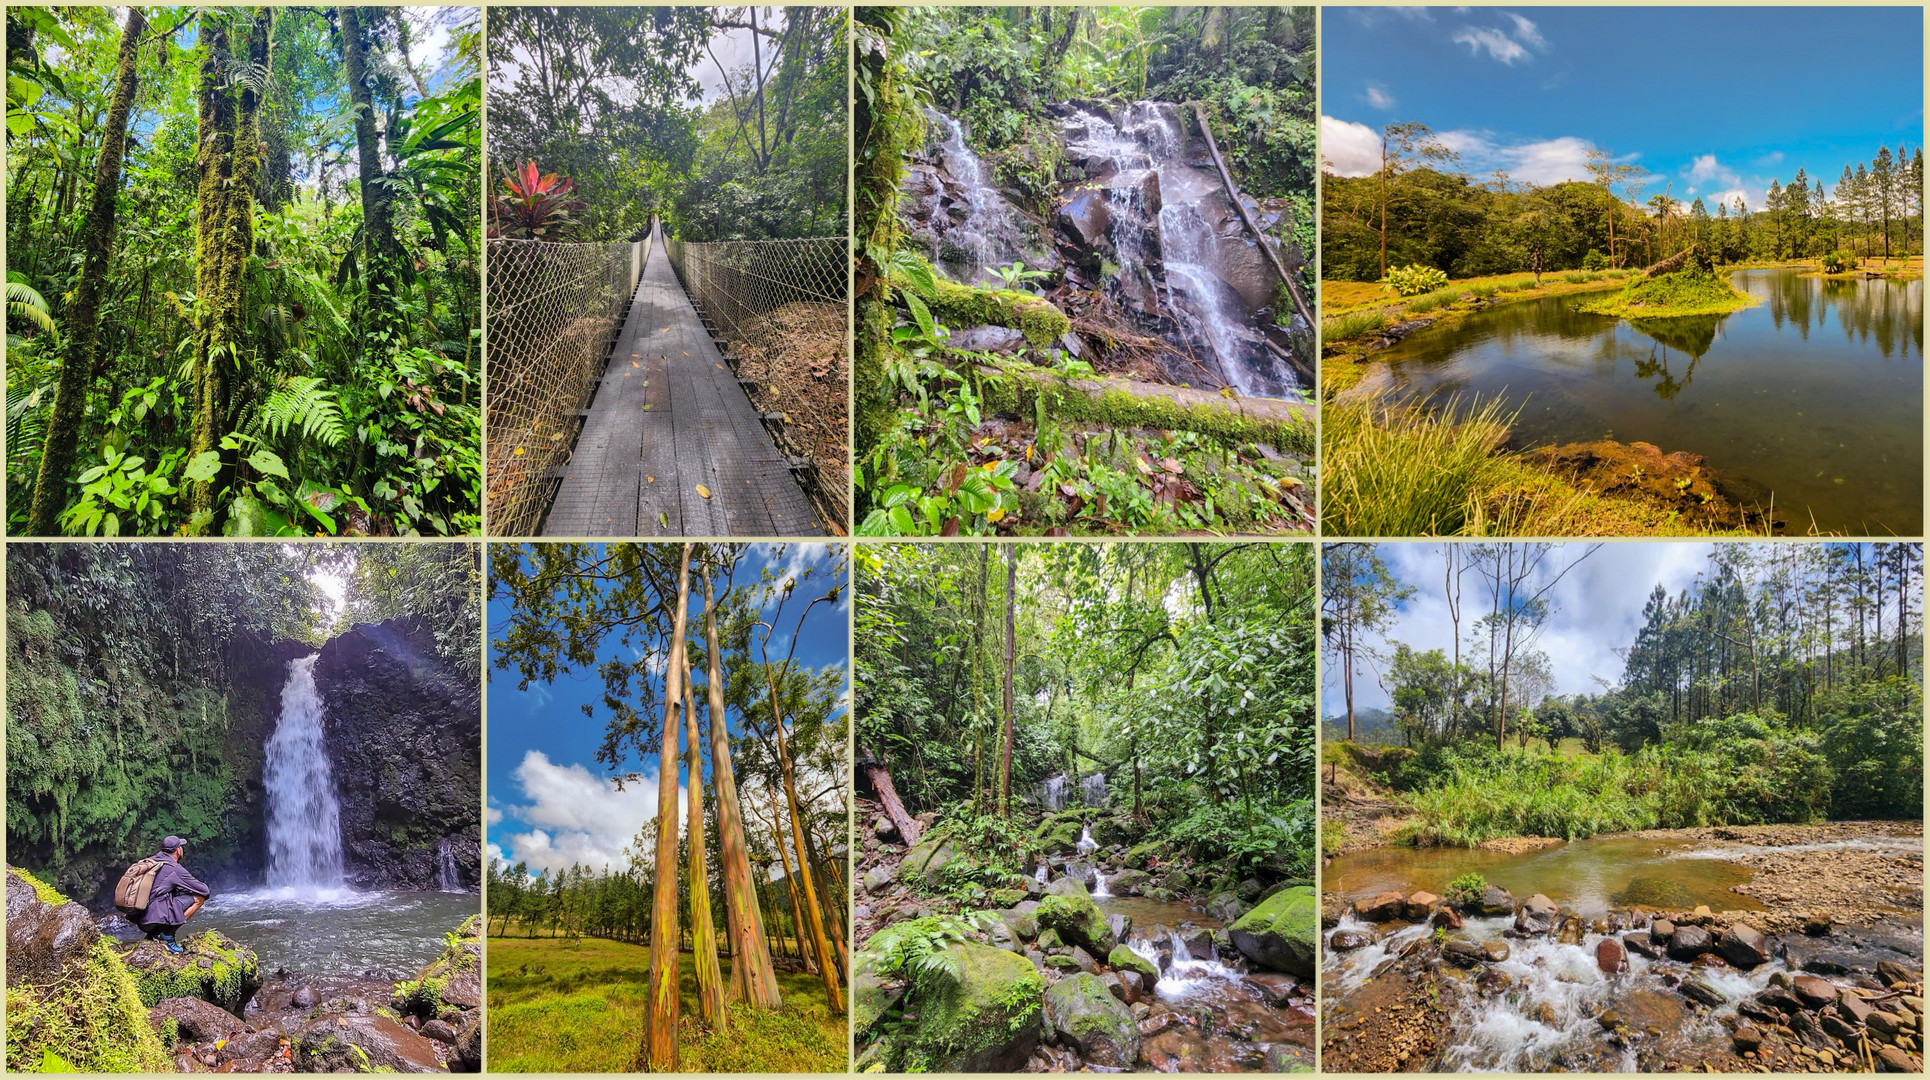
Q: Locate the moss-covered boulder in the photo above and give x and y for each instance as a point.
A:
(987, 1020)
(870, 998)
(1085, 1016)
(1225, 906)
(1122, 958)
(449, 985)
(1281, 932)
(365, 1042)
(1061, 837)
(1140, 856)
(1078, 920)
(925, 861)
(213, 967)
(1128, 882)
(71, 1004)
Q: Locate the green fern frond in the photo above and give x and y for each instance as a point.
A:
(24, 302)
(303, 402)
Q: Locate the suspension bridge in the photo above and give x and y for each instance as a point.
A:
(616, 407)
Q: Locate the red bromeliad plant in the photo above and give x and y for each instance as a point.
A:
(535, 206)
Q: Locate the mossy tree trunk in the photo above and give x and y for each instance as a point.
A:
(227, 174)
(752, 978)
(83, 319)
(703, 929)
(660, 1023)
(382, 327)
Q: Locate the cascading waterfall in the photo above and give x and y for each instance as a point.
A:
(1145, 156)
(988, 235)
(1181, 976)
(1086, 842)
(304, 820)
(448, 873)
(1093, 789)
(1040, 874)
(1053, 792)
(1099, 884)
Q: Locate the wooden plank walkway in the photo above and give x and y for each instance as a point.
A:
(669, 416)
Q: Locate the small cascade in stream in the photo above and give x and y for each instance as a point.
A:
(1053, 792)
(448, 873)
(1086, 842)
(1041, 874)
(1181, 976)
(989, 234)
(304, 820)
(1099, 884)
(1093, 789)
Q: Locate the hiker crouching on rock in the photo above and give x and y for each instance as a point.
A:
(175, 896)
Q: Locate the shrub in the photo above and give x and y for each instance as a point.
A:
(1414, 279)
(1466, 889)
(1482, 292)
(1838, 261)
(1594, 260)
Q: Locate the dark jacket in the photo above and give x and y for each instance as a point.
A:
(174, 890)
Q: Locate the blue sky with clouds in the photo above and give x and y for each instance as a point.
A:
(1597, 609)
(550, 802)
(1716, 101)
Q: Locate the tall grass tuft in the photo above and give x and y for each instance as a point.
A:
(1352, 324)
(1394, 470)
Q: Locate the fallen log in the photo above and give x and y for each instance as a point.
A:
(1233, 194)
(887, 793)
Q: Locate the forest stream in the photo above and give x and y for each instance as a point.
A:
(1795, 947)
(1813, 396)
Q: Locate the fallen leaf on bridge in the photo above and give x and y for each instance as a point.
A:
(704, 491)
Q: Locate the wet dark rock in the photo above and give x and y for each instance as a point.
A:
(404, 735)
(1688, 942)
(1892, 973)
(1494, 950)
(1345, 940)
(1420, 905)
(1495, 900)
(1447, 917)
(305, 998)
(1463, 952)
(440, 1031)
(1813, 992)
(1891, 1059)
(1086, 1017)
(1746, 1038)
(196, 1020)
(363, 1043)
(1642, 944)
(45, 941)
(1661, 930)
(1744, 946)
(1386, 907)
(1695, 989)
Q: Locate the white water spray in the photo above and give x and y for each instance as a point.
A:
(448, 872)
(304, 820)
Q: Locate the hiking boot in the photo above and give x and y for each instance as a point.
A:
(173, 946)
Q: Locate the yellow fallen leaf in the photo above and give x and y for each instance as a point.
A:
(994, 513)
(704, 491)
(519, 452)
(650, 479)
(634, 364)
(686, 354)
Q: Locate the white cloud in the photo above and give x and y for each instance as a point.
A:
(1378, 97)
(1752, 198)
(1527, 32)
(1498, 44)
(492, 815)
(1502, 45)
(576, 816)
(1541, 161)
(1705, 169)
(1347, 148)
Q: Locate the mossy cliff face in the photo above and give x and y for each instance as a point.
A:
(71, 1003)
(142, 730)
(404, 735)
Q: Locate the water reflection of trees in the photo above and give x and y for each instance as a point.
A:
(1885, 313)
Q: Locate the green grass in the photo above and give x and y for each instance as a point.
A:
(1439, 298)
(564, 1006)
(1482, 292)
(1684, 293)
(1352, 325)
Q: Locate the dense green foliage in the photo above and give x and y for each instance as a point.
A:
(1437, 216)
(1184, 672)
(141, 686)
(341, 395)
(1784, 685)
(611, 98)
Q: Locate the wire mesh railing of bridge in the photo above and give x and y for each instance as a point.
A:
(780, 304)
(552, 311)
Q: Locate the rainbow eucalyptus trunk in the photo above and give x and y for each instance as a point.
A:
(790, 883)
(83, 322)
(833, 993)
(660, 1018)
(752, 978)
(703, 929)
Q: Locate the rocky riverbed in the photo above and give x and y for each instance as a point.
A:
(1107, 957)
(92, 1002)
(1814, 967)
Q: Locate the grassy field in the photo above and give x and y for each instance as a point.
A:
(557, 1005)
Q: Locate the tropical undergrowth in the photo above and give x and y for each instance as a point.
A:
(975, 444)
